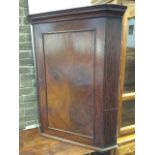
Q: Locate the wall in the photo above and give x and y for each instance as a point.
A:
(28, 109)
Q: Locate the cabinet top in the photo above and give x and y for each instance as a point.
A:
(109, 10)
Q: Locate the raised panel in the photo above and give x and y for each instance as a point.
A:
(69, 63)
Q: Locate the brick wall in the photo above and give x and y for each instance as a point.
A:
(28, 106)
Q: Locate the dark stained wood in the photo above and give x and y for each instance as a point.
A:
(69, 76)
(79, 13)
(111, 79)
(78, 63)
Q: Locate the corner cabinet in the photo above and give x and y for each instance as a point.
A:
(78, 60)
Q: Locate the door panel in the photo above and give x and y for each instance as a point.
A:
(70, 61)
(69, 58)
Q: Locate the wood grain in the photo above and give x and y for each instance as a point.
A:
(31, 143)
(78, 60)
(122, 68)
(70, 81)
(128, 14)
(95, 11)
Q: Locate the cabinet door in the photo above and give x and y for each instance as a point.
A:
(69, 65)
(70, 69)
(78, 77)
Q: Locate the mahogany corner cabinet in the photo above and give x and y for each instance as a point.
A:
(77, 59)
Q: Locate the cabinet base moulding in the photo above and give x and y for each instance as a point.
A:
(79, 144)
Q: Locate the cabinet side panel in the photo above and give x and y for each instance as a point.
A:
(111, 79)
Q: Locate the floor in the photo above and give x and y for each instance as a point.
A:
(31, 143)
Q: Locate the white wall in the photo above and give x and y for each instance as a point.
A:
(39, 6)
